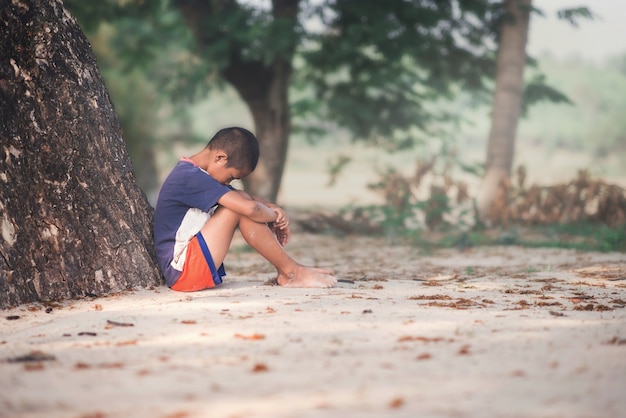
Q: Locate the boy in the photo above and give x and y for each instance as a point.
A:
(197, 213)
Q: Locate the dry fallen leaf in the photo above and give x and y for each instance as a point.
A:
(188, 322)
(617, 341)
(123, 343)
(181, 414)
(115, 365)
(443, 277)
(94, 415)
(119, 324)
(396, 403)
(430, 297)
(407, 338)
(259, 367)
(250, 337)
(81, 366)
(464, 350)
(33, 367)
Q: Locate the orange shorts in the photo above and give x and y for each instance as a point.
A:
(199, 270)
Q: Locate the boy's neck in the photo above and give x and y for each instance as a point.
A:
(201, 159)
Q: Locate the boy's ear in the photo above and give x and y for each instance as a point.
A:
(221, 156)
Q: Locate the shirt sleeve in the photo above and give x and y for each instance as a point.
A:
(202, 191)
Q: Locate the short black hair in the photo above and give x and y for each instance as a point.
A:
(239, 144)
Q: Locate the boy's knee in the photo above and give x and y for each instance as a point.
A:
(223, 212)
(222, 218)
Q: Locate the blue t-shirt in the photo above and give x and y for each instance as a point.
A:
(186, 201)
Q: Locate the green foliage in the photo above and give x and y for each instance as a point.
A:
(583, 237)
(336, 166)
(140, 101)
(373, 68)
(430, 200)
(595, 122)
(138, 107)
(369, 67)
(379, 63)
(536, 90)
(572, 15)
(580, 236)
(611, 239)
(232, 30)
(91, 14)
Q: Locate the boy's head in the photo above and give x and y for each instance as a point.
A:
(239, 144)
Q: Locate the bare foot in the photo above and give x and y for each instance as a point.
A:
(323, 270)
(308, 277)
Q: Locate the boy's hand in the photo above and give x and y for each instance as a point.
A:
(280, 226)
(282, 221)
(282, 235)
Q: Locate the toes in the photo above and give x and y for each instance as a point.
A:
(331, 281)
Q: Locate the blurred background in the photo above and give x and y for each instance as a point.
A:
(169, 79)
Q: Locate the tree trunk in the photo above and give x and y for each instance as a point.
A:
(262, 85)
(271, 117)
(73, 220)
(506, 110)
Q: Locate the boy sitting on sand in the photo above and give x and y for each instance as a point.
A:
(197, 212)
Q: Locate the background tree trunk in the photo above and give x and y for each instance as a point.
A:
(271, 116)
(506, 109)
(265, 92)
(73, 220)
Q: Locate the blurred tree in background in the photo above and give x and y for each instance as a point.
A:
(508, 103)
(371, 66)
(506, 106)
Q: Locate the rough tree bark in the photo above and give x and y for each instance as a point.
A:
(505, 114)
(73, 220)
(265, 93)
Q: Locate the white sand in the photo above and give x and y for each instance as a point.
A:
(489, 332)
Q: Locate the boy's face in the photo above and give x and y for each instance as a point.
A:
(226, 174)
(222, 172)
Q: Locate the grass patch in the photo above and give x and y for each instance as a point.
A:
(582, 236)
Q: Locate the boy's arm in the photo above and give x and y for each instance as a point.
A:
(243, 204)
(282, 221)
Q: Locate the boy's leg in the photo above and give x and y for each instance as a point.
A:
(218, 233)
(290, 273)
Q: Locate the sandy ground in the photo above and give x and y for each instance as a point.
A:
(487, 332)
